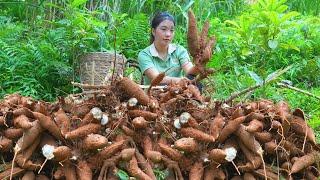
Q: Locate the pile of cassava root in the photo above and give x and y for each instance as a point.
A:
(175, 131)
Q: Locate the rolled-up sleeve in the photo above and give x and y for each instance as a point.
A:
(183, 55)
(145, 61)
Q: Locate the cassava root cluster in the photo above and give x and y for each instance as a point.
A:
(174, 130)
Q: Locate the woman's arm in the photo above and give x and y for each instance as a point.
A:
(189, 68)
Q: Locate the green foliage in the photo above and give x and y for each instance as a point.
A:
(133, 35)
(160, 174)
(122, 175)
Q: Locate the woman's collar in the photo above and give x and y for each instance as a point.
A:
(154, 52)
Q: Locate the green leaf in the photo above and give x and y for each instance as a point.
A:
(289, 16)
(277, 73)
(289, 46)
(185, 8)
(235, 24)
(122, 175)
(273, 44)
(77, 3)
(255, 77)
(282, 8)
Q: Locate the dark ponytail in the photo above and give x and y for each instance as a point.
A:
(157, 19)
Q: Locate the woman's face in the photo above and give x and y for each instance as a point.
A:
(163, 33)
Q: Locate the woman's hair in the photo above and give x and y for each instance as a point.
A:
(157, 19)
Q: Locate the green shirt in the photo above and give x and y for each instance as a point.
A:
(177, 56)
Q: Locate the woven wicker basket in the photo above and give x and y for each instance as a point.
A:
(96, 68)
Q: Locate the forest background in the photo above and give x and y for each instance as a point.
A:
(41, 42)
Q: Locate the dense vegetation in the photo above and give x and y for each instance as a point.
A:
(40, 42)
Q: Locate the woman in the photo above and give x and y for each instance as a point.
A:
(162, 55)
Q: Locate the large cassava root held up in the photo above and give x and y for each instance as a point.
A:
(200, 45)
(184, 136)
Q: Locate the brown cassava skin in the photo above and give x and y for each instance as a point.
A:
(23, 111)
(140, 123)
(5, 144)
(263, 137)
(207, 51)
(69, 171)
(107, 165)
(62, 120)
(27, 165)
(16, 171)
(196, 134)
(192, 35)
(42, 177)
(212, 172)
(147, 115)
(301, 127)
(126, 154)
(88, 118)
(170, 152)
(230, 128)
(22, 121)
(254, 160)
(62, 153)
(144, 164)
(196, 171)
(254, 126)
(291, 148)
(196, 94)
(216, 125)
(157, 80)
(305, 161)
(29, 175)
(154, 156)
(203, 35)
(59, 173)
(80, 110)
(94, 141)
(239, 112)
(186, 144)
(270, 147)
(284, 113)
(13, 133)
(134, 91)
(147, 144)
(26, 102)
(248, 140)
(270, 175)
(286, 165)
(2, 121)
(47, 123)
(217, 155)
(128, 131)
(254, 115)
(83, 171)
(134, 170)
(12, 99)
(106, 152)
(83, 131)
(29, 136)
(24, 156)
(248, 176)
(41, 108)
